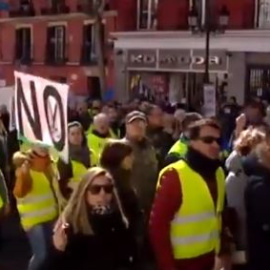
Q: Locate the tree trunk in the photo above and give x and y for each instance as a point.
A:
(99, 43)
(95, 8)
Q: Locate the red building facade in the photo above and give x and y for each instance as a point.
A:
(154, 32)
(54, 41)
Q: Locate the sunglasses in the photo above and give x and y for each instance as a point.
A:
(96, 189)
(211, 140)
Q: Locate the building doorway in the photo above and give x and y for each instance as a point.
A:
(94, 88)
(258, 82)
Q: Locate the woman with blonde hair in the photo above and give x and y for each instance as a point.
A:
(257, 207)
(236, 183)
(92, 232)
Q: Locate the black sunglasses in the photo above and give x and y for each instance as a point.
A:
(96, 189)
(210, 140)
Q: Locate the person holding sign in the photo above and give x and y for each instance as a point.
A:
(81, 158)
(38, 200)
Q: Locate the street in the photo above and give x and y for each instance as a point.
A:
(14, 252)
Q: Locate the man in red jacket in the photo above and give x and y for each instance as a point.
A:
(202, 162)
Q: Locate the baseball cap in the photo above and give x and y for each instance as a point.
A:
(135, 115)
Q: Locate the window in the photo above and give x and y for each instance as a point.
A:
(263, 9)
(23, 45)
(56, 39)
(199, 6)
(146, 18)
(89, 51)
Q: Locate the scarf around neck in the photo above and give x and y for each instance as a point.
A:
(203, 165)
(80, 154)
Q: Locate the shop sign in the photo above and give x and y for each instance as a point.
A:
(142, 58)
(193, 60)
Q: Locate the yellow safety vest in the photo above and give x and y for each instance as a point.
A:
(96, 143)
(1, 203)
(112, 134)
(195, 229)
(39, 205)
(179, 148)
(78, 170)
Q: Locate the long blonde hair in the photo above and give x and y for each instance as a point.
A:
(75, 213)
(248, 140)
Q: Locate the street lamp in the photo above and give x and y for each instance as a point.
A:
(208, 28)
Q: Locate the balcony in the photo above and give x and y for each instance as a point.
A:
(55, 10)
(25, 10)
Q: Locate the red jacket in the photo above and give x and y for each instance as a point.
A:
(167, 202)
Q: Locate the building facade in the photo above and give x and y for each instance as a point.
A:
(165, 58)
(55, 40)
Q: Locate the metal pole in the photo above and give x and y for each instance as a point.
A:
(207, 42)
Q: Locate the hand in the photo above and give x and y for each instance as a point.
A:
(59, 237)
(241, 122)
(223, 262)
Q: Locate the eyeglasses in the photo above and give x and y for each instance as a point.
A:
(210, 140)
(96, 189)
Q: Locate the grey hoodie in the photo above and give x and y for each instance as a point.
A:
(236, 182)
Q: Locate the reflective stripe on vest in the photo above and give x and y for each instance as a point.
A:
(196, 226)
(39, 205)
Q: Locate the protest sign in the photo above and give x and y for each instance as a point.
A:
(41, 111)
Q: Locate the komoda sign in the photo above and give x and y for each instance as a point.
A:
(49, 94)
(196, 60)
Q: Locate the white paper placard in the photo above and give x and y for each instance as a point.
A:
(41, 111)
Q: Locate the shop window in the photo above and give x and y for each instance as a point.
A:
(146, 17)
(56, 43)
(263, 8)
(23, 45)
(258, 82)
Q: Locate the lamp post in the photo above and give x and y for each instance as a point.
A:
(208, 28)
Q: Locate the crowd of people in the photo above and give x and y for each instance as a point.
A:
(146, 186)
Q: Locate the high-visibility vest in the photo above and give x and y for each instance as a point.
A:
(195, 229)
(111, 133)
(1, 202)
(78, 170)
(96, 143)
(40, 204)
(180, 148)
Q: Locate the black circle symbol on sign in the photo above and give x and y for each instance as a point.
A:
(51, 93)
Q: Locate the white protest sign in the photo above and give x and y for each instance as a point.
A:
(209, 94)
(41, 111)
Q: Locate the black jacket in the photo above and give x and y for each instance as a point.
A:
(257, 203)
(111, 248)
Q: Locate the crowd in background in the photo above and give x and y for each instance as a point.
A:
(97, 214)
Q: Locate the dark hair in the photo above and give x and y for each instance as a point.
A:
(195, 128)
(189, 119)
(76, 124)
(149, 108)
(254, 104)
(113, 154)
